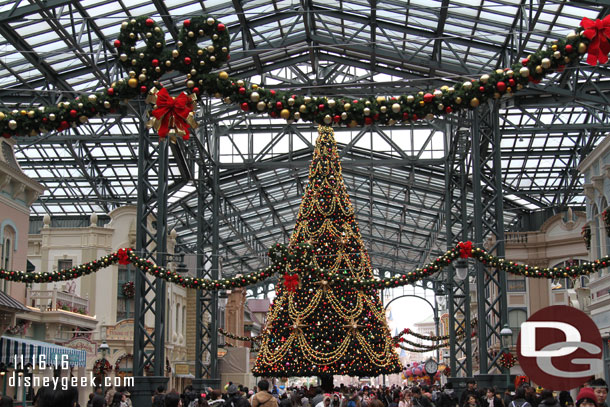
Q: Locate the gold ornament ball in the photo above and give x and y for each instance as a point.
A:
(367, 111)
(255, 97)
(303, 109)
(572, 35)
(467, 85)
(539, 69)
(554, 47)
(193, 72)
(254, 86)
(31, 114)
(123, 57)
(12, 124)
(353, 123)
(240, 83)
(421, 103)
(142, 77)
(328, 119)
(450, 90)
(92, 98)
(66, 105)
(331, 103)
(391, 122)
(344, 116)
(380, 99)
(499, 71)
(175, 53)
(201, 63)
(474, 102)
(525, 72)
(430, 116)
(347, 106)
(519, 86)
(132, 82)
(210, 48)
(557, 54)
(297, 115)
(168, 63)
(444, 88)
(190, 84)
(567, 60)
(52, 115)
(227, 100)
(210, 21)
(2, 116)
(410, 99)
(200, 52)
(545, 63)
(285, 114)
(132, 35)
(223, 75)
(290, 101)
(307, 99)
(438, 93)
(484, 78)
(213, 58)
(180, 44)
(440, 106)
(510, 73)
(190, 34)
(124, 25)
(83, 119)
(383, 109)
(582, 48)
(260, 106)
(157, 29)
(158, 45)
(148, 35)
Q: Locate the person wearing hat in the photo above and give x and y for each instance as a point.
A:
(234, 398)
(586, 398)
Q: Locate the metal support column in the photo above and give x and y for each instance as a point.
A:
(489, 223)
(151, 240)
(458, 302)
(208, 209)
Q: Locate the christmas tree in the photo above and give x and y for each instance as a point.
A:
(315, 328)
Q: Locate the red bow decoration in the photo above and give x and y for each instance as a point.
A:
(123, 256)
(465, 249)
(291, 282)
(598, 32)
(172, 114)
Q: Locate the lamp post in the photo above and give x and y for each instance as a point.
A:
(506, 334)
(103, 350)
(461, 269)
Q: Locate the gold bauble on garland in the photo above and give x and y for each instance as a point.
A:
(474, 102)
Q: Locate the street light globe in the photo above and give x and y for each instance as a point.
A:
(507, 336)
(461, 269)
(103, 348)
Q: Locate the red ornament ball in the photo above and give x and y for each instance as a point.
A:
(64, 125)
(428, 97)
(149, 22)
(110, 91)
(279, 105)
(274, 114)
(355, 101)
(186, 23)
(414, 117)
(337, 118)
(143, 89)
(525, 61)
(569, 48)
(376, 116)
(242, 91)
(73, 113)
(368, 120)
(196, 90)
(117, 43)
(187, 60)
(45, 120)
(405, 116)
(245, 107)
(221, 27)
(448, 109)
(511, 82)
(501, 86)
(482, 89)
(155, 62)
(321, 106)
(272, 92)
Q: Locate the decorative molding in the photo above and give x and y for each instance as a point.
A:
(598, 183)
(4, 224)
(18, 190)
(606, 170)
(589, 192)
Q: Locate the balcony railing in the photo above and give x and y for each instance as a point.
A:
(51, 300)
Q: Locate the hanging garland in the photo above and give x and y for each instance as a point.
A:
(240, 338)
(117, 367)
(128, 289)
(145, 66)
(507, 360)
(422, 346)
(434, 338)
(427, 349)
(586, 236)
(101, 367)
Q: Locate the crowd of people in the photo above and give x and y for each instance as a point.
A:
(591, 394)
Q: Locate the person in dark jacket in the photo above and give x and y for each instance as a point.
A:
(519, 399)
(547, 399)
(471, 390)
(447, 398)
(419, 400)
(234, 398)
(491, 399)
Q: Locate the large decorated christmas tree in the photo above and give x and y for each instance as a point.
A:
(315, 327)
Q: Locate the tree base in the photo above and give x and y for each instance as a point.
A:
(327, 383)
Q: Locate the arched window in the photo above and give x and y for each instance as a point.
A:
(8, 247)
(605, 239)
(125, 297)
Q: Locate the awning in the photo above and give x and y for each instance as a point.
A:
(11, 347)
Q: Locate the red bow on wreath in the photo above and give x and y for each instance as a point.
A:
(172, 113)
(598, 32)
(465, 249)
(123, 256)
(291, 282)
